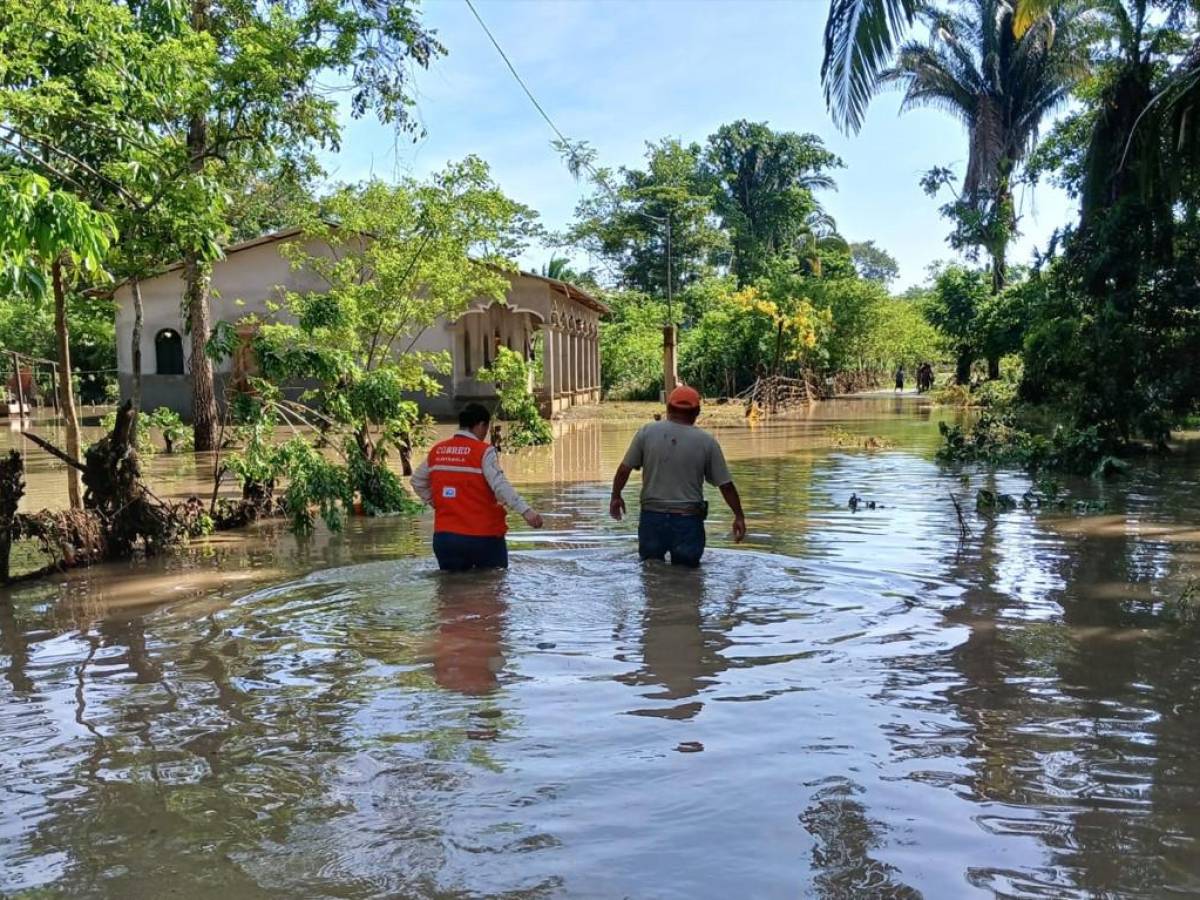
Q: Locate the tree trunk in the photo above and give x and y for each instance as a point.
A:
(197, 277)
(66, 388)
(12, 487)
(135, 290)
(1000, 265)
(962, 369)
(204, 403)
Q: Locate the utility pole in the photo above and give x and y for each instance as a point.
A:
(670, 365)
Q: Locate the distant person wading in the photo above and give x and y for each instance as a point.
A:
(676, 458)
(462, 480)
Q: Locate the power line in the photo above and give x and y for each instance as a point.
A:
(577, 158)
(567, 144)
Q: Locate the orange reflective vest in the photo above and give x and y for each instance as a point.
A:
(463, 502)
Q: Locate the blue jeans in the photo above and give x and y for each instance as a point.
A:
(681, 536)
(463, 552)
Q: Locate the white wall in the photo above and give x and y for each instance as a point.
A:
(242, 283)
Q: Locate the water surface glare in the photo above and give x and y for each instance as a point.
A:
(856, 704)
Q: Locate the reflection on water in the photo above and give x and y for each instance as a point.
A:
(855, 705)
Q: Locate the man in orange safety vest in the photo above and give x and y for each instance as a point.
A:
(462, 480)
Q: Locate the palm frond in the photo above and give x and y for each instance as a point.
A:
(860, 37)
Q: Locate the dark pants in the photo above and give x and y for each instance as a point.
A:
(681, 536)
(463, 552)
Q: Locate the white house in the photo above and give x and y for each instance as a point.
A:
(252, 274)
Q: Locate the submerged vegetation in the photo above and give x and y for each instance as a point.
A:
(513, 377)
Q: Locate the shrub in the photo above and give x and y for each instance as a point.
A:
(170, 425)
(511, 375)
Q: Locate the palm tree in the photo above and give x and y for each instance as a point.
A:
(1001, 86)
(559, 268)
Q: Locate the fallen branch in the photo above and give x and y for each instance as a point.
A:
(54, 451)
(964, 530)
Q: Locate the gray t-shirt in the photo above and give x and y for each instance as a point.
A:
(677, 459)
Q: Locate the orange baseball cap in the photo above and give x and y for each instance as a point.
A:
(684, 397)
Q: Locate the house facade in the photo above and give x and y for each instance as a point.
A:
(251, 280)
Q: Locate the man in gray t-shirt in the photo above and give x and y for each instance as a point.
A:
(676, 458)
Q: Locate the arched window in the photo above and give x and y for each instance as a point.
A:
(467, 367)
(168, 352)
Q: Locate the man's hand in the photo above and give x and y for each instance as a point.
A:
(534, 518)
(616, 507)
(739, 529)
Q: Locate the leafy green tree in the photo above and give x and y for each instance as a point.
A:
(800, 328)
(93, 92)
(854, 305)
(403, 258)
(765, 182)
(631, 346)
(874, 263)
(513, 377)
(861, 37)
(1117, 311)
(268, 98)
(900, 334)
(624, 221)
(48, 241)
(953, 307)
(725, 350)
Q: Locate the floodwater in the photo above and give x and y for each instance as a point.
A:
(854, 704)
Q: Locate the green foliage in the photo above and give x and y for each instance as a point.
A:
(404, 257)
(27, 326)
(377, 486)
(513, 376)
(857, 309)
(874, 263)
(174, 433)
(898, 334)
(953, 307)
(624, 221)
(631, 338)
(312, 480)
(997, 439)
(765, 182)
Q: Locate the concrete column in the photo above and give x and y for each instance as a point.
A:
(566, 385)
(548, 362)
(562, 339)
(670, 366)
(573, 367)
(594, 351)
(596, 362)
(589, 342)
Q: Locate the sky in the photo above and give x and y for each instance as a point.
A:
(620, 73)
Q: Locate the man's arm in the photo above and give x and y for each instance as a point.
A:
(616, 506)
(634, 457)
(420, 483)
(733, 500)
(504, 491)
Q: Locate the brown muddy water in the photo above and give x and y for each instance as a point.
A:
(854, 704)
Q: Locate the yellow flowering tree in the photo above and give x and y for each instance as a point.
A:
(799, 328)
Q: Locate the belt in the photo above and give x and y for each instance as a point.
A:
(699, 509)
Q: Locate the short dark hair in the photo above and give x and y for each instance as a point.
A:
(473, 414)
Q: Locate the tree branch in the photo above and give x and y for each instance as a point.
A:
(54, 451)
